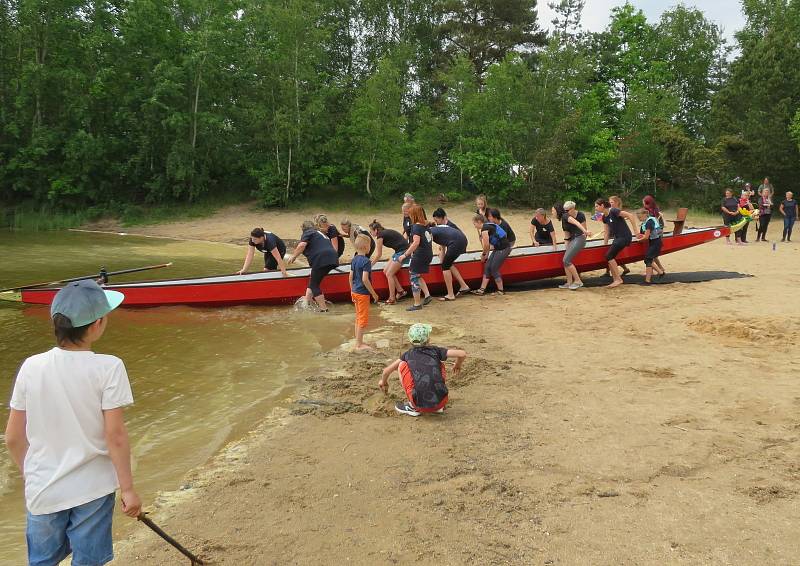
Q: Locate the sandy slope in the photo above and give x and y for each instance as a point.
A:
(640, 425)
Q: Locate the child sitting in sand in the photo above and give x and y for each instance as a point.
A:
(361, 287)
(422, 374)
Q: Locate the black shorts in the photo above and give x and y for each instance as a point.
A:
(451, 255)
(316, 277)
(617, 246)
(653, 251)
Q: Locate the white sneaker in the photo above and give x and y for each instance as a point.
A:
(575, 286)
(564, 286)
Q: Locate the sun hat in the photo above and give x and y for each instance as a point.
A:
(83, 302)
(419, 333)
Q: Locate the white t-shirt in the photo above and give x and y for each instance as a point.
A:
(63, 394)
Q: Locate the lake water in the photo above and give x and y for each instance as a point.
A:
(200, 377)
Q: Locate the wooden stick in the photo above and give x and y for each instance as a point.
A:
(156, 529)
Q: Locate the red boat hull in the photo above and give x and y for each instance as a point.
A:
(524, 264)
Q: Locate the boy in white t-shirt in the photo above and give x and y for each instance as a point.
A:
(67, 434)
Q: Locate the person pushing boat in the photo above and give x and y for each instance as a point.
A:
(616, 229)
(396, 242)
(542, 231)
(495, 218)
(350, 230)
(421, 253)
(452, 243)
(496, 248)
(441, 219)
(322, 258)
(268, 244)
(573, 223)
(331, 232)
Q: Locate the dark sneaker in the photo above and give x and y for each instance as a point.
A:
(406, 408)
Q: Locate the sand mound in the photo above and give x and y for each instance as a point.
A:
(778, 331)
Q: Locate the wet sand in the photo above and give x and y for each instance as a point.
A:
(637, 425)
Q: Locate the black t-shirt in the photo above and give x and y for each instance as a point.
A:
(512, 237)
(364, 231)
(452, 224)
(731, 203)
(394, 240)
(497, 243)
(423, 255)
(425, 364)
(334, 233)
(570, 228)
(617, 227)
(545, 233)
(271, 241)
(448, 236)
(319, 251)
(790, 207)
(407, 227)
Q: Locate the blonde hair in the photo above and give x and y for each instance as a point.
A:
(615, 201)
(321, 219)
(308, 225)
(407, 206)
(541, 212)
(643, 212)
(362, 243)
(569, 205)
(346, 222)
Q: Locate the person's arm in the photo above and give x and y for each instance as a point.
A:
(376, 255)
(383, 383)
(460, 356)
(783, 212)
(580, 225)
(796, 210)
(553, 238)
(644, 236)
(368, 285)
(532, 232)
(119, 451)
(484, 244)
(16, 438)
(414, 245)
(248, 259)
(301, 246)
(630, 218)
(350, 279)
(279, 258)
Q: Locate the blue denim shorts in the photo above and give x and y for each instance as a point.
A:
(83, 531)
(396, 257)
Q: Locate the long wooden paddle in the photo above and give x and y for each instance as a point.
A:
(102, 274)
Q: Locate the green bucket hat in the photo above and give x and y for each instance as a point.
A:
(419, 333)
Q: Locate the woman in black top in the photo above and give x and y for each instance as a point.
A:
(542, 231)
(331, 232)
(730, 211)
(452, 243)
(573, 223)
(421, 253)
(352, 232)
(268, 244)
(407, 220)
(494, 217)
(322, 258)
(494, 236)
(396, 242)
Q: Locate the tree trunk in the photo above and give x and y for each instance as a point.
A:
(288, 177)
(369, 174)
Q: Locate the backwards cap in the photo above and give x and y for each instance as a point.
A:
(83, 302)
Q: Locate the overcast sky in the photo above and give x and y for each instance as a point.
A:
(725, 13)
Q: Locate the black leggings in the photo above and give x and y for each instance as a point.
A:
(763, 224)
(316, 277)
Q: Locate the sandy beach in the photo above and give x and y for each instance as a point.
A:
(637, 425)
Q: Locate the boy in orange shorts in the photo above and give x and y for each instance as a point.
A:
(361, 287)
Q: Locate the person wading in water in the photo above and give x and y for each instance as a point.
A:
(322, 258)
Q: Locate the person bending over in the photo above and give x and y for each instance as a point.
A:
(616, 229)
(422, 373)
(268, 244)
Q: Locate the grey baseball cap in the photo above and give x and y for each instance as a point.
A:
(83, 302)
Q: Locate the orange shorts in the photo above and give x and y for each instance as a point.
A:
(362, 308)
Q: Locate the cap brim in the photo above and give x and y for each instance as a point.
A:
(114, 299)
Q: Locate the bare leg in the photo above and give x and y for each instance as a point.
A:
(660, 267)
(648, 274)
(321, 302)
(614, 269)
(499, 283)
(457, 274)
(424, 286)
(448, 282)
(574, 277)
(568, 272)
(360, 339)
(391, 270)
